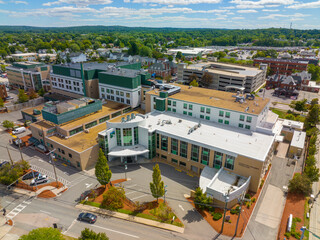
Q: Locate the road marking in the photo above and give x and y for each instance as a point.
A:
(8, 202)
(190, 174)
(130, 192)
(111, 230)
(131, 186)
(73, 222)
(88, 185)
(45, 212)
(139, 197)
(64, 164)
(26, 202)
(14, 212)
(181, 207)
(40, 160)
(77, 181)
(178, 170)
(66, 173)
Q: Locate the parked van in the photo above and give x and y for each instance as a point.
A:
(19, 130)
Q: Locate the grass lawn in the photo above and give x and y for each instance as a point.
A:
(279, 112)
(283, 113)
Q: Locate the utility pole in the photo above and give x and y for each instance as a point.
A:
(125, 170)
(165, 190)
(20, 148)
(240, 200)
(226, 199)
(53, 164)
(9, 155)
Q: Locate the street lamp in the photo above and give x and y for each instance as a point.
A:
(165, 190)
(125, 170)
(226, 199)
(53, 164)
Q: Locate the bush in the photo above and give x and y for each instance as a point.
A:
(248, 204)
(300, 184)
(253, 199)
(247, 196)
(261, 184)
(287, 235)
(8, 124)
(235, 210)
(216, 216)
(88, 234)
(113, 198)
(163, 212)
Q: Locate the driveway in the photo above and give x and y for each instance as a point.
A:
(282, 150)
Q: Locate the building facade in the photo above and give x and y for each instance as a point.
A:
(27, 75)
(283, 66)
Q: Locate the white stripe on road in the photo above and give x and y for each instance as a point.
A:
(111, 230)
(45, 212)
(74, 221)
(131, 186)
(139, 197)
(130, 192)
(181, 207)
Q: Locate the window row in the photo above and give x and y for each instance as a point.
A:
(113, 98)
(118, 93)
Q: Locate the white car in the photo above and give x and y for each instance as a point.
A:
(39, 179)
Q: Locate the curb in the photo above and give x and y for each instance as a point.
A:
(131, 218)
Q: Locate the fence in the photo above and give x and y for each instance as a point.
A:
(30, 103)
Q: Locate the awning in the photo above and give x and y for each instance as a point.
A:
(126, 151)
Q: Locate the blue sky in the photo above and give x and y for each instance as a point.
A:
(304, 14)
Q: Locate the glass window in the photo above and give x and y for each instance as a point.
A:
(118, 134)
(208, 110)
(217, 162)
(174, 160)
(164, 143)
(240, 125)
(207, 118)
(227, 115)
(185, 106)
(195, 153)
(152, 145)
(136, 135)
(174, 103)
(174, 146)
(220, 121)
(190, 106)
(182, 164)
(127, 95)
(221, 114)
(241, 117)
(190, 113)
(127, 136)
(128, 101)
(111, 91)
(169, 102)
(70, 155)
(229, 162)
(201, 116)
(185, 112)
(183, 149)
(158, 140)
(117, 92)
(174, 110)
(108, 90)
(226, 122)
(102, 89)
(249, 119)
(205, 156)
(90, 125)
(169, 109)
(74, 131)
(202, 109)
(248, 127)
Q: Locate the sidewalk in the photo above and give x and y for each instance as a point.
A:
(4, 228)
(315, 210)
(131, 218)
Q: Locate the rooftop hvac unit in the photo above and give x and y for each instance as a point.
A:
(86, 130)
(128, 117)
(123, 119)
(133, 116)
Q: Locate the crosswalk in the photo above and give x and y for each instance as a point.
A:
(14, 212)
(50, 174)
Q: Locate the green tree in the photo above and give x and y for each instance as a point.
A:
(8, 124)
(145, 51)
(299, 105)
(22, 96)
(314, 102)
(88, 234)
(134, 49)
(47, 59)
(3, 68)
(32, 94)
(41, 92)
(315, 72)
(68, 59)
(300, 184)
(43, 233)
(58, 59)
(75, 47)
(170, 58)
(102, 171)
(1, 102)
(194, 83)
(201, 200)
(312, 118)
(113, 198)
(290, 117)
(179, 55)
(312, 172)
(156, 186)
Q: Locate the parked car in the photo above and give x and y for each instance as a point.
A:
(19, 130)
(9, 97)
(38, 180)
(31, 175)
(261, 90)
(3, 163)
(87, 217)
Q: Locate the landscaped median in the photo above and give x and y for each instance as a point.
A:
(131, 216)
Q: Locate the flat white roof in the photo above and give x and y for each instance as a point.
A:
(125, 151)
(230, 140)
(292, 124)
(298, 139)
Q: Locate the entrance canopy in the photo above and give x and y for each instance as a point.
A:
(127, 151)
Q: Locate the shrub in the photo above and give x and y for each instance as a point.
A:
(261, 184)
(300, 184)
(253, 199)
(216, 216)
(247, 196)
(248, 204)
(287, 235)
(163, 212)
(235, 210)
(8, 124)
(10, 174)
(113, 198)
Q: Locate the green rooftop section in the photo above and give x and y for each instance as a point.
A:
(144, 78)
(50, 113)
(133, 66)
(27, 65)
(126, 81)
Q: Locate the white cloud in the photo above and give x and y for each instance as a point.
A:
(20, 2)
(79, 2)
(247, 11)
(275, 16)
(270, 10)
(176, 2)
(237, 18)
(315, 4)
(243, 4)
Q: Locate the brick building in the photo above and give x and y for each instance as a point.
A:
(283, 66)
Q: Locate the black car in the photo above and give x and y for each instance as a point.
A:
(3, 163)
(30, 175)
(87, 217)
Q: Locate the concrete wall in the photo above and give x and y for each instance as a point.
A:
(30, 103)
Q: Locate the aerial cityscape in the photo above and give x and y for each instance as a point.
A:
(159, 119)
